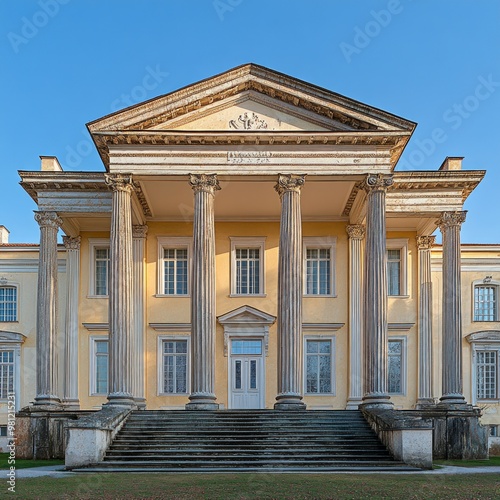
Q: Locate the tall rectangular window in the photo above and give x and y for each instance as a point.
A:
(8, 303)
(175, 366)
(318, 271)
(101, 360)
(175, 271)
(486, 303)
(102, 261)
(487, 374)
(247, 271)
(395, 367)
(319, 366)
(394, 271)
(6, 373)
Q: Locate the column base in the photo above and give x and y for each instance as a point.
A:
(425, 404)
(376, 400)
(47, 400)
(120, 399)
(289, 402)
(353, 403)
(452, 401)
(140, 403)
(202, 401)
(71, 404)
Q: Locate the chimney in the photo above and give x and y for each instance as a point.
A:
(452, 163)
(4, 234)
(50, 164)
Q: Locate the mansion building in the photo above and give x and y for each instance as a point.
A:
(250, 244)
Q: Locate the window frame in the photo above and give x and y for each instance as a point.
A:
(12, 341)
(160, 365)
(333, 351)
(173, 242)
(402, 245)
(404, 364)
(483, 282)
(97, 244)
(93, 365)
(248, 242)
(14, 285)
(319, 242)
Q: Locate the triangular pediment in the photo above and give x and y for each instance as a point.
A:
(251, 97)
(245, 315)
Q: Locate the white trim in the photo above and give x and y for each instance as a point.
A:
(94, 244)
(92, 364)
(321, 242)
(248, 242)
(404, 364)
(400, 244)
(173, 242)
(6, 283)
(485, 282)
(11, 341)
(159, 361)
(333, 354)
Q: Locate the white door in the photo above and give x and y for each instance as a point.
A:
(246, 374)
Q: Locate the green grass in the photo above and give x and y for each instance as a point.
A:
(491, 462)
(261, 486)
(24, 464)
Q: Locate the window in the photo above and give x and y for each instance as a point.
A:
(99, 267)
(247, 266)
(99, 369)
(396, 377)
(8, 303)
(174, 366)
(397, 251)
(319, 366)
(3, 430)
(174, 266)
(487, 374)
(6, 373)
(318, 266)
(486, 301)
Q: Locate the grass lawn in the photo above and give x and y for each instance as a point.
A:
(24, 464)
(261, 486)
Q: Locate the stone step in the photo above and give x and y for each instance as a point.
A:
(237, 455)
(287, 445)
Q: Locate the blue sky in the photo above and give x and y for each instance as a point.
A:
(68, 62)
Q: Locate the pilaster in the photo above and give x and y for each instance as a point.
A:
(70, 389)
(290, 355)
(356, 235)
(375, 304)
(46, 328)
(203, 316)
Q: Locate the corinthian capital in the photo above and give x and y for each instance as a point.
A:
(377, 182)
(425, 242)
(119, 182)
(48, 219)
(450, 219)
(204, 182)
(71, 243)
(289, 182)
(356, 231)
(139, 231)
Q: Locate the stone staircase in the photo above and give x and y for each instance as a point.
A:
(249, 440)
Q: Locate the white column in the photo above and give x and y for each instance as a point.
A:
(120, 291)
(203, 317)
(290, 289)
(70, 391)
(424, 244)
(46, 323)
(356, 236)
(138, 314)
(375, 305)
(450, 224)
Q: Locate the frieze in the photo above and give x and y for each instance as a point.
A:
(248, 121)
(249, 157)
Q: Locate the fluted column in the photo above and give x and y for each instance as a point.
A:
(120, 291)
(203, 318)
(356, 236)
(70, 388)
(138, 314)
(450, 224)
(290, 278)
(375, 305)
(424, 244)
(46, 322)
